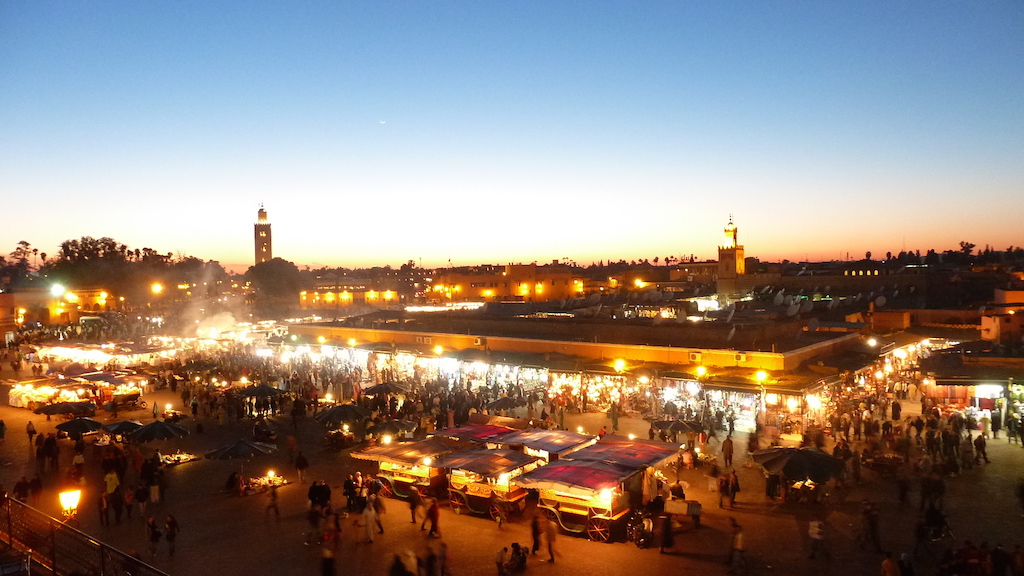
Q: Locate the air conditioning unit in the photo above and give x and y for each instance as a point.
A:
(479, 341)
(741, 357)
(419, 339)
(695, 357)
(428, 340)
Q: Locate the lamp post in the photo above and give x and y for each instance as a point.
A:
(69, 500)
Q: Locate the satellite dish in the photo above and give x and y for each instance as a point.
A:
(828, 288)
(895, 293)
(696, 291)
(807, 306)
(880, 301)
(981, 310)
(792, 310)
(815, 291)
(812, 326)
(911, 289)
(778, 299)
(656, 296)
(594, 299)
(731, 314)
(732, 333)
(831, 304)
(857, 298)
(765, 289)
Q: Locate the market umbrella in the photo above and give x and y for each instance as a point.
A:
(81, 425)
(77, 408)
(392, 428)
(159, 430)
(262, 391)
(386, 388)
(343, 413)
(506, 403)
(75, 369)
(799, 463)
(241, 449)
(123, 427)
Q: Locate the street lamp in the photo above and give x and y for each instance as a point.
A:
(69, 500)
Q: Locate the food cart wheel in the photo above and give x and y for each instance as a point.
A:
(458, 503)
(386, 490)
(495, 511)
(550, 514)
(599, 529)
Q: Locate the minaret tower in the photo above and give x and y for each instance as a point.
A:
(264, 251)
(730, 255)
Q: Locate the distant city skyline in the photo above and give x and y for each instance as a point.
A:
(480, 133)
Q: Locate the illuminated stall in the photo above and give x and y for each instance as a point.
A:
(408, 466)
(549, 445)
(584, 496)
(480, 481)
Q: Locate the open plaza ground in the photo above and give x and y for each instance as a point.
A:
(224, 535)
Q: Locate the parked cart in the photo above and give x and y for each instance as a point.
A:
(480, 481)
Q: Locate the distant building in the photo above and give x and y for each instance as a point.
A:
(731, 263)
(515, 282)
(264, 249)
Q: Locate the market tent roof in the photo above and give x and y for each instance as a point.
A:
(473, 432)
(576, 477)
(488, 463)
(407, 453)
(637, 454)
(551, 441)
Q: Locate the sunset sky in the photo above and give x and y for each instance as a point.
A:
(512, 131)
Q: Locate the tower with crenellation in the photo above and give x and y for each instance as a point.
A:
(264, 249)
(731, 264)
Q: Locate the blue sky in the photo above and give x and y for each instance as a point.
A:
(487, 131)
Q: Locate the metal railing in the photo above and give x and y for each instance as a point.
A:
(63, 549)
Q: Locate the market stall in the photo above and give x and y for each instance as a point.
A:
(479, 481)
(584, 496)
(550, 445)
(408, 466)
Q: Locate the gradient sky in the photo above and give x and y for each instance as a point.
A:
(512, 131)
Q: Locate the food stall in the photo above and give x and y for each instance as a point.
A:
(480, 481)
(474, 433)
(550, 445)
(584, 496)
(408, 466)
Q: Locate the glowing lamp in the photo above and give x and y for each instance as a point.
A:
(69, 500)
(771, 399)
(386, 439)
(57, 290)
(701, 371)
(271, 473)
(428, 461)
(579, 429)
(243, 380)
(872, 342)
(632, 436)
(813, 402)
(351, 341)
(791, 404)
(344, 428)
(329, 397)
(761, 376)
(321, 339)
(606, 496)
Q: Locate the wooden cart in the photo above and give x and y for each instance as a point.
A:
(583, 497)
(480, 481)
(408, 466)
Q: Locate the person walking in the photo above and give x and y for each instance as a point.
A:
(734, 488)
(434, 515)
(551, 534)
(500, 558)
(153, 531)
(737, 557)
(173, 529)
(301, 465)
(369, 519)
(727, 450)
(272, 496)
(816, 532)
(30, 429)
(535, 533)
(376, 502)
(415, 501)
(979, 449)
